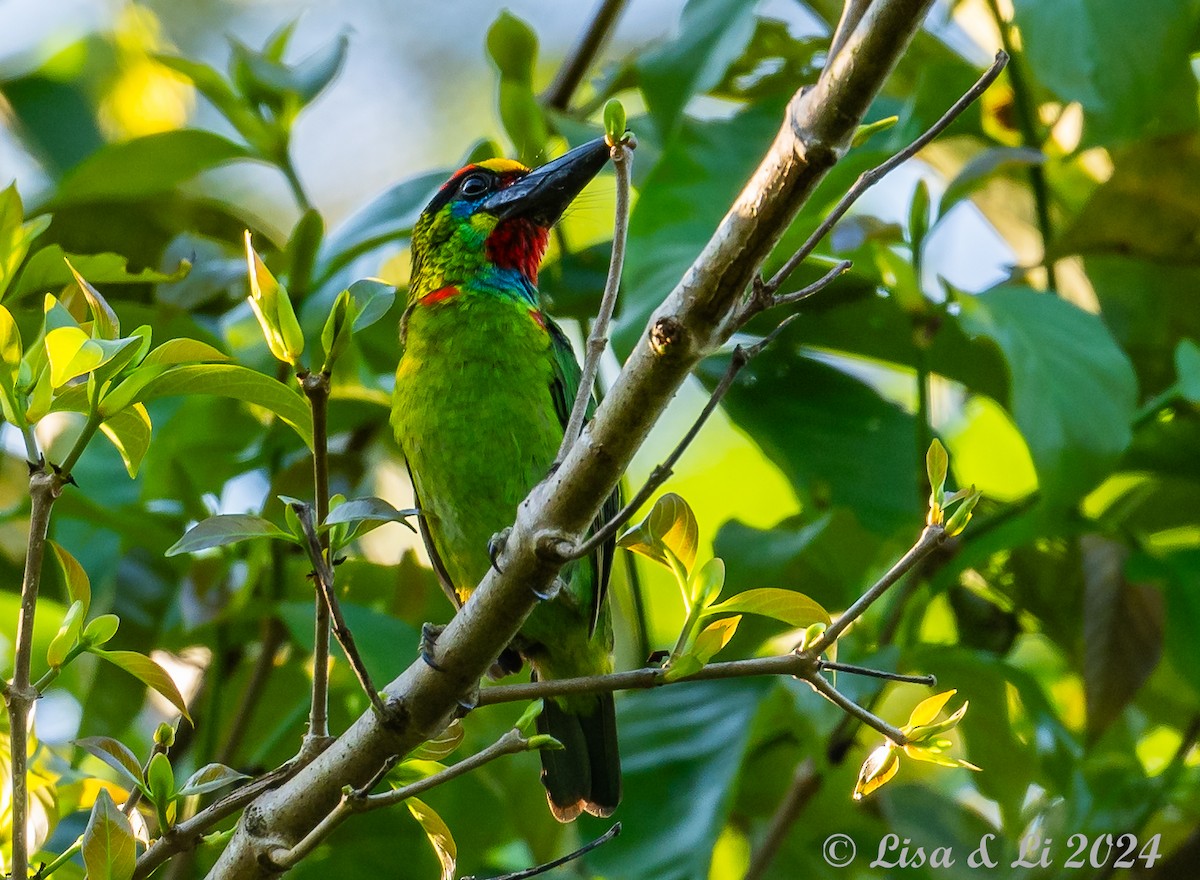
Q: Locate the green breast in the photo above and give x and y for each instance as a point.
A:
(474, 416)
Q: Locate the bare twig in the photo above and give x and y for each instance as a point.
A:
(869, 178)
(847, 705)
(622, 159)
(323, 575)
(582, 54)
(561, 860)
(361, 800)
(930, 538)
(851, 669)
(741, 356)
(316, 389)
(186, 835)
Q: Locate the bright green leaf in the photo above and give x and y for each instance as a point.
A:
(116, 755)
(794, 609)
(105, 323)
(445, 743)
(707, 582)
(669, 526)
(160, 779)
(67, 637)
(273, 308)
(129, 431)
(101, 629)
(614, 120)
(183, 351)
(79, 587)
(714, 637)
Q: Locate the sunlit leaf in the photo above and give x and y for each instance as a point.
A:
(273, 308)
(881, 765)
(210, 777)
(794, 609)
(184, 351)
(79, 587)
(101, 629)
(707, 582)
(148, 672)
(929, 709)
(129, 431)
(108, 848)
(438, 834)
(105, 322)
(68, 635)
(160, 779)
(715, 636)
(670, 526)
(226, 528)
(445, 743)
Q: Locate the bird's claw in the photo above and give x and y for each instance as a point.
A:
(496, 547)
(429, 637)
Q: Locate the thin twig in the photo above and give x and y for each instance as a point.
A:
(582, 54)
(323, 575)
(869, 178)
(847, 705)
(316, 389)
(622, 159)
(360, 800)
(851, 669)
(930, 538)
(561, 860)
(186, 835)
(741, 356)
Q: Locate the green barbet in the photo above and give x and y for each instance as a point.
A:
(483, 393)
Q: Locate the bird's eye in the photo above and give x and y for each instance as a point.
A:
(475, 185)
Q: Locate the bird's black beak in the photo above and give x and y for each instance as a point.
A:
(543, 194)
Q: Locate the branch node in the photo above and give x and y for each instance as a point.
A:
(554, 547)
(666, 335)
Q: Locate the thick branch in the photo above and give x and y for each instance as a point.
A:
(696, 318)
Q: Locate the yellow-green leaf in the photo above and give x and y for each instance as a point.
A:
(149, 673)
(714, 637)
(707, 582)
(438, 833)
(441, 745)
(184, 351)
(129, 431)
(67, 636)
(669, 526)
(105, 323)
(881, 765)
(929, 708)
(273, 308)
(794, 609)
(79, 587)
(108, 847)
(72, 353)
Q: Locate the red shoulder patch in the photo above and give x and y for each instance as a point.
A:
(439, 295)
(538, 317)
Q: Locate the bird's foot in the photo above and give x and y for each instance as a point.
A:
(496, 547)
(428, 643)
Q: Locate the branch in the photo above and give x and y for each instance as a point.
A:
(360, 800)
(869, 178)
(852, 14)
(562, 860)
(186, 835)
(694, 320)
(316, 389)
(741, 356)
(847, 705)
(851, 669)
(582, 54)
(622, 159)
(323, 576)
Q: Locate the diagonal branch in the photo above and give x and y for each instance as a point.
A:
(695, 319)
(561, 860)
(583, 54)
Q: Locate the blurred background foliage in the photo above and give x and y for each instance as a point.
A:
(1027, 289)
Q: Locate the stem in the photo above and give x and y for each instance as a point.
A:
(32, 454)
(316, 389)
(60, 860)
(360, 801)
(930, 538)
(582, 54)
(622, 159)
(852, 669)
(924, 422)
(829, 692)
(293, 179)
(852, 14)
(1027, 123)
(44, 488)
(869, 178)
(561, 860)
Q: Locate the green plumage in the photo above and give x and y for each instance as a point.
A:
(483, 391)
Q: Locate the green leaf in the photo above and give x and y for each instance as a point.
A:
(79, 587)
(918, 217)
(217, 89)
(108, 846)
(101, 629)
(712, 35)
(879, 768)
(129, 431)
(937, 466)
(226, 528)
(1148, 208)
(373, 510)
(512, 45)
(714, 637)
(1145, 85)
(146, 166)
(614, 120)
(210, 777)
(335, 335)
(48, 270)
(273, 308)
(105, 323)
(183, 351)
(116, 755)
(16, 236)
(67, 637)
(148, 672)
(438, 833)
(373, 300)
(794, 609)
(160, 779)
(238, 382)
(865, 132)
(669, 526)
(71, 353)
(1072, 391)
(1187, 368)
(707, 582)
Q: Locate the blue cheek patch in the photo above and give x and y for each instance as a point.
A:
(461, 210)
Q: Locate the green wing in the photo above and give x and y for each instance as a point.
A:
(563, 388)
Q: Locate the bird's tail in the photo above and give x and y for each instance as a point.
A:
(585, 775)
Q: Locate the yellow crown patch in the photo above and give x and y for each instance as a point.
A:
(502, 166)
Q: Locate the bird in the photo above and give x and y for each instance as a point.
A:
(484, 389)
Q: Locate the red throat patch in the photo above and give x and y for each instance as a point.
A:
(518, 244)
